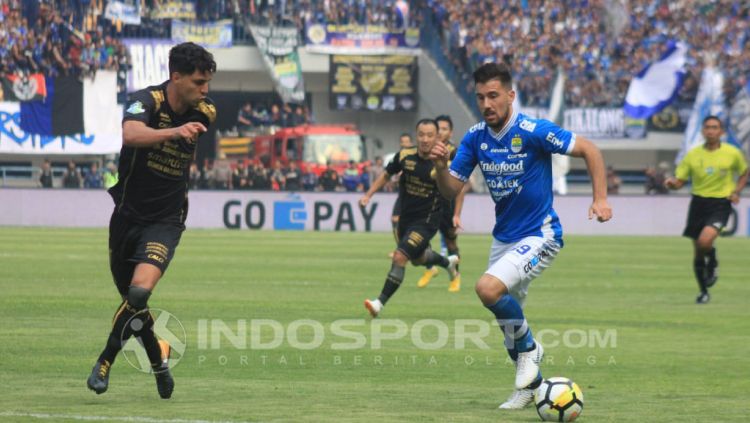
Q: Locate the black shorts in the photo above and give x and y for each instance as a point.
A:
(704, 212)
(132, 243)
(414, 237)
(447, 229)
(397, 207)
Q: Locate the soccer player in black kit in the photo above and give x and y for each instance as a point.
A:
(160, 129)
(421, 210)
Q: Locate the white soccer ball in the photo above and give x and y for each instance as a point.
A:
(558, 399)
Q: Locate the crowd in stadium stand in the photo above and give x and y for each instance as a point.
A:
(583, 37)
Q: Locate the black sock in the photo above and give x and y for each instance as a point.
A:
(149, 341)
(699, 267)
(711, 260)
(454, 253)
(114, 343)
(392, 282)
(432, 258)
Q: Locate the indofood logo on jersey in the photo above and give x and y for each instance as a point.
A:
(516, 144)
(503, 167)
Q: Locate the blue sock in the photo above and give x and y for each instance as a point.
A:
(510, 317)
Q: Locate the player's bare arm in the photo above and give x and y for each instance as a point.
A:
(459, 206)
(589, 152)
(448, 185)
(674, 183)
(741, 182)
(377, 184)
(137, 134)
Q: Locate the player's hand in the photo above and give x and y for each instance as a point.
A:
(600, 209)
(190, 131)
(670, 183)
(734, 198)
(457, 223)
(364, 201)
(439, 155)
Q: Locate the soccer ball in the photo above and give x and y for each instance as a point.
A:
(558, 399)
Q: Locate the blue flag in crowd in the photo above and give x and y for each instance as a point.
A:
(709, 102)
(739, 119)
(657, 85)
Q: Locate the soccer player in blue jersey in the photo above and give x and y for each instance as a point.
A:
(514, 153)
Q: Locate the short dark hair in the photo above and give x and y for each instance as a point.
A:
(427, 121)
(490, 71)
(405, 134)
(186, 58)
(712, 117)
(445, 118)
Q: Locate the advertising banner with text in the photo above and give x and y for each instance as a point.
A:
(340, 212)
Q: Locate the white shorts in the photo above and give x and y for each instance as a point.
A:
(517, 264)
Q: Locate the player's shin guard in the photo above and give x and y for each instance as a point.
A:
(392, 282)
(699, 267)
(432, 258)
(510, 317)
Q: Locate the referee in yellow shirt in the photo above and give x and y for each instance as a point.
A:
(712, 168)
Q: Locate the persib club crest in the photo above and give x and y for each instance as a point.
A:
(516, 144)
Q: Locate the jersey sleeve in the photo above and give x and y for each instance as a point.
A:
(394, 166)
(740, 162)
(682, 171)
(140, 107)
(207, 110)
(464, 159)
(552, 138)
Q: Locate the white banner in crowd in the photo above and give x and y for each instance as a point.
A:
(150, 61)
(13, 139)
(101, 113)
(248, 210)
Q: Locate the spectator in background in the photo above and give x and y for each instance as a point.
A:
(655, 178)
(194, 180)
(278, 180)
(613, 181)
(375, 170)
(364, 179)
(298, 118)
(309, 178)
(238, 174)
(276, 118)
(351, 180)
(246, 120)
(93, 178)
(111, 175)
(45, 179)
(222, 175)
(72, 177)
(208, 176)
(260, 178)
(329, 179)
(293, 177)
(287, 115)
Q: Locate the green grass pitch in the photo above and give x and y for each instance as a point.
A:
(617, 313)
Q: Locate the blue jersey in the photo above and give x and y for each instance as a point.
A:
(517, 167)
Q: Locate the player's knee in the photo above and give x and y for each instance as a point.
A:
(400, 259)
(138, 297)
(489, 290)
(705, 243)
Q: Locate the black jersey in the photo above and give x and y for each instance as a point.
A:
(153, 180)
(420, 198)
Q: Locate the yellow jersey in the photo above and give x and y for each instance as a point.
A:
(713, 172)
